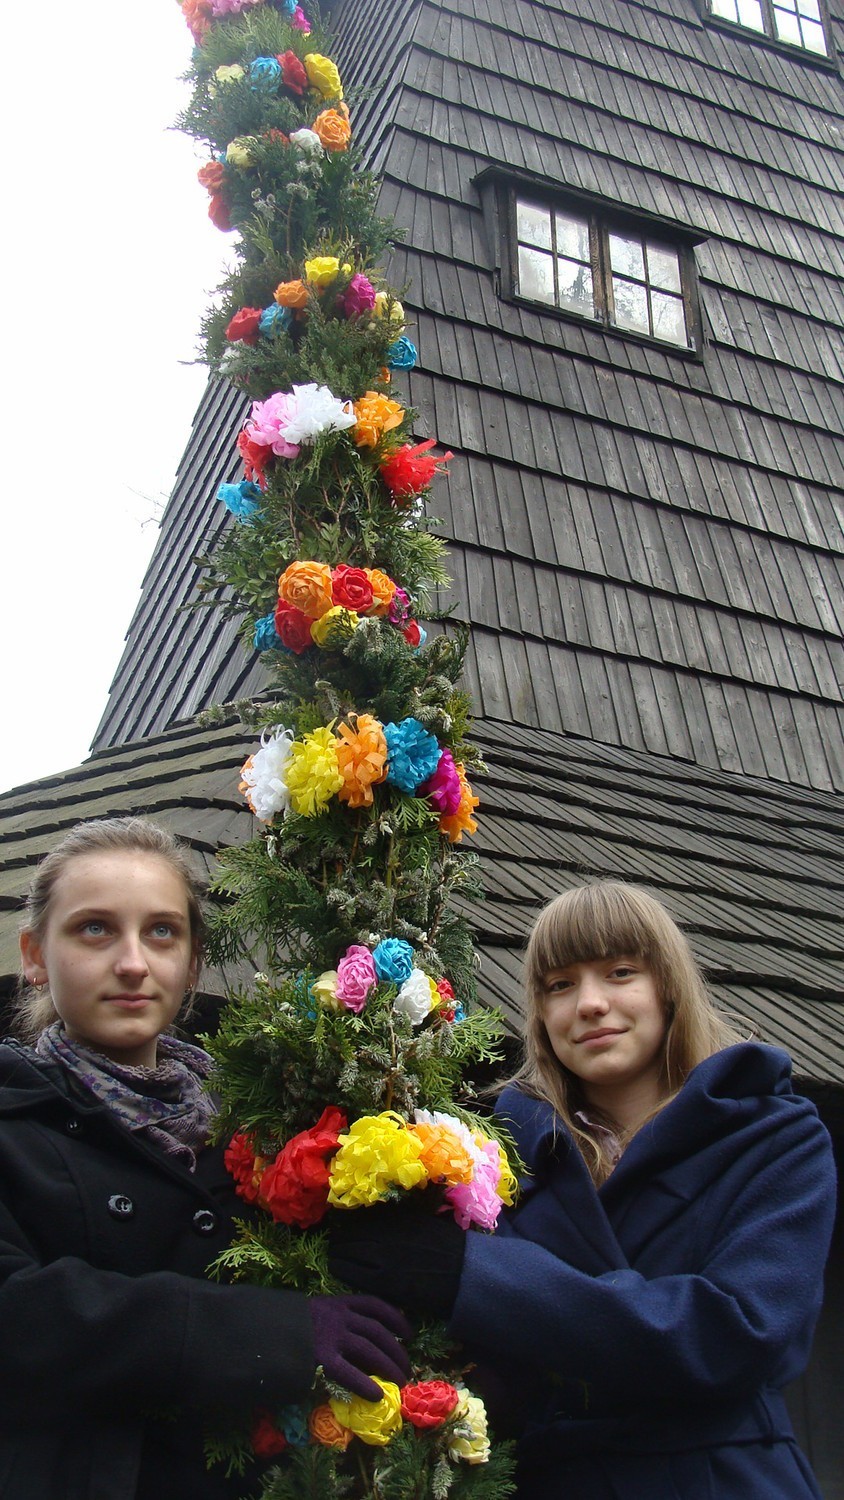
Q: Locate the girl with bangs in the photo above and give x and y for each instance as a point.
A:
(657, 1284)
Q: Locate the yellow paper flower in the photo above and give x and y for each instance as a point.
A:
(454, 825)
(374, 1422)
(444, 1157)
(312, 776)
(326, 1430)
(376, 414)
(322, 270)
(323, 75)
(389, 307)
(324, 990)
(229, 73)
(508, 1186)
(361, 758)
(376, 1153)
(238, 153)
(383, 589)
(335, 626)
(468, 1438)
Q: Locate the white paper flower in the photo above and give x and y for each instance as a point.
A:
(307, 141)
(263, 784)
(414, 998)
(314, 410)
(468, 1439)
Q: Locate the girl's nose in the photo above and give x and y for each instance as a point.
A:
(590, 995)
(130, 958)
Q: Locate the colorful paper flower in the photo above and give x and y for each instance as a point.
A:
(323, 75)
(265, 637)
(293, 75)
(307, 586)
(293, 1421)
(255, 457)
(228, 73)
(374, 1422)
(388, 306)
(393, 959)
(324, 989)
(198, 14)
(264, 775)
(335, 627)
(292, 294)
(300, 22)
(244, 326)
(356, 977)
(413, 754)
(409, 470)
(326, 1430)
(264, 75)
(333, 129)
(456, 824)
(211, 176)
(292, 627)
(361, 759)
(267, 1440)
(445, 1157)
(383, 589)
(315, 411)
(376, 1153)
(403, 354)
(268, 423)
(322, 270)
(359, 296)
(428, 1403)
(444, 789)
(307, 141)
(469, 1438)
(479, 1201)
(416, 998)
(239, 152)
(219, 213)
(242, 500)
(311, 773)
(244, 1166)
(374, 415)
(294, 1188)
(274, 320)
(352, 588)
(399, 608)
(414, 634)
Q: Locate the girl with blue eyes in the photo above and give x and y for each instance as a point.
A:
(116, 1354)
(656, 1285)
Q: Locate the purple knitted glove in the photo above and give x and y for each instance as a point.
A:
(356, 1337)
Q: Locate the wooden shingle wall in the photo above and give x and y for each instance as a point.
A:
(651, 545)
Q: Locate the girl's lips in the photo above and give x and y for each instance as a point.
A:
(129, 1002)
(595, 1037)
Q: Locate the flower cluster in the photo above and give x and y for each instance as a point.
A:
(346, 760)
(390, 962)
(337, 1165)
(323, 606)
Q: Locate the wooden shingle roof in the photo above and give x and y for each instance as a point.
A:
(752, 870)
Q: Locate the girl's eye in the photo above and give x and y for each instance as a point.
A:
(94, 929)
(557, 986)
(162, 930)
(623, 971)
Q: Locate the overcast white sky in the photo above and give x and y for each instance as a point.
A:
(107, 261)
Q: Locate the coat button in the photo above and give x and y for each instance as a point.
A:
(204, 1222)
(120, 1207)
(72, 1125)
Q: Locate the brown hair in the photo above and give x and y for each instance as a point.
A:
(34, 1010)
(600, 921)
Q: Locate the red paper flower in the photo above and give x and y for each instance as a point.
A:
(293, 627)
(254, 457)
(245, 1167)
(243, 327)
(267, 1439)
(212, 176)
(218, 212)
(409, 471)
(295, 1186)
(429, 1403)
(293, 75)
(351, 588)
(275, 135)
(412, 633)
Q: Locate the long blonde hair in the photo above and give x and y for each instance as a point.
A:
(600, 921)
(34, 1010)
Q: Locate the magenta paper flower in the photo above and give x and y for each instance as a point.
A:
(359, 296)
(477, 1202)
(356, 977)
(443, 789)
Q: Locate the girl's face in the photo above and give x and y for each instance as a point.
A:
(606, 1025)
(116, 952)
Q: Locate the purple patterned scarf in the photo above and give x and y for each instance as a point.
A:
(168, 1102)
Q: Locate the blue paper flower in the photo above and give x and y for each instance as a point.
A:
(413, 754)
(241, 499)
(266, 637)
(403, 354)
(293, 1423)
(287, 6)
(264, 75)
(393, 960)
(274, 320)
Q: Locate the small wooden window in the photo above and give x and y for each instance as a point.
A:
(799, 23)
(586, 264)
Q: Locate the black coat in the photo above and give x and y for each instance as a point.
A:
(113, 1347)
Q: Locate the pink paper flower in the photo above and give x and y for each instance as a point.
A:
(356, 977)
(359, 296)
(266, 421)
(299, 21)
(478, 1202)
(443, 788)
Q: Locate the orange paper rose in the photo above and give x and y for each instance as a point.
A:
(326, 1430)
(334, 132)
(307, 586)
(291, 294)
(375, 414)
(383, 589)
(444, 1156)
(361, 759)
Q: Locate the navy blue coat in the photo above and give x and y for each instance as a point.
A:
(114, 1348)
(648, 1327)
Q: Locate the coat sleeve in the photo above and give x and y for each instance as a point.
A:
(715, 1334)
(76, 1339)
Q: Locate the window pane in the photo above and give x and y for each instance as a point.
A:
(809, 8)
(631, 305)
(750, 14)
(533, 223)
(626, 256)
(788, 29)
(575, 281)
(663, 267)
(726, 8)
(813, 37)
(669, 318)
(572, 237)
(536, 275)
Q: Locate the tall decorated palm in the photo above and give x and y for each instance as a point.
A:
(344, 1068)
